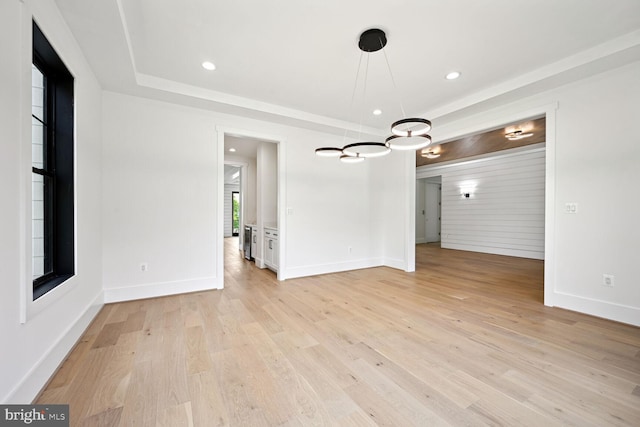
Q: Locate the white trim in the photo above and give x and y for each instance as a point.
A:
(493, 119)
(428, 171)
(219, 235)
(410, 213)
(400, 264)
(127, 36)
(492, 250)
(36, 379)
(314, 270)
(244, 167)
(280, 203)
(24, 208)
(28, 307)
(160, 289)
(172, 86)
(282, 209)
(259, 262)
(550, 207)
(574, 62)
(594, 307)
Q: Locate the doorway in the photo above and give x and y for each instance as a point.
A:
(428, 209)
(259, 159)
(433, 209)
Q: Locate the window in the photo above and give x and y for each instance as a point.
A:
(51, 167)
(235, 213)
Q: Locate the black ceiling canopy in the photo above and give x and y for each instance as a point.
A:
(372, 40)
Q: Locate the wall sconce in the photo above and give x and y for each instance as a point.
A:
(466, 190)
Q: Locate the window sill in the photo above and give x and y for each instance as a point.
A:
(50, 284)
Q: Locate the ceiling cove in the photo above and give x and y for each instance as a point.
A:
(607, 52)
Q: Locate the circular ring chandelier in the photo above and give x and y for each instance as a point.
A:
(407, 134)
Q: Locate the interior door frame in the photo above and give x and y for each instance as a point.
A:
(438, 209)
(280, 142)
(495, 118)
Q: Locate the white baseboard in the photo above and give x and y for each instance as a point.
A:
(313, 270)
(421, 240)
(400, 264)
(598, 308)
(493, 250)
(259, 262)
(35, 380)
(160, 289)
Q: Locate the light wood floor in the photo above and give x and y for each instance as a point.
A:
(463, 341)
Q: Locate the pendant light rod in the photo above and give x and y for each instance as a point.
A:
(393, 81)
(353, 97)
(407, 133)
(364, 96)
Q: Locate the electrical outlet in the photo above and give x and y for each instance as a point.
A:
(144, 267)
(571, 208)
(608, 280)
(349, 249)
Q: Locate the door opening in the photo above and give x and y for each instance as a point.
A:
(433, 211)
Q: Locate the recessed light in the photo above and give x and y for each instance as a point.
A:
(377, 112)
(208, 65)
(233, 150)
(453, 75)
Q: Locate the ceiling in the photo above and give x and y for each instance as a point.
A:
(238, 151)
(231, 174)
(295, 61)
(245, 148)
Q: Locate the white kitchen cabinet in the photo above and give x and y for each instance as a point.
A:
(254, 241)
(271, 258)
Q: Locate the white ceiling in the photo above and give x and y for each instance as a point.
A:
(295, 61)
(230, 176)
(245, 148)
(245, 151)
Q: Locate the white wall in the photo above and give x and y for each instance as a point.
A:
(595, 156)
(504, 213)
(392, 195)
(330, 211)
(267, 161)
(32, 350)
(159, 196)
(160, 191)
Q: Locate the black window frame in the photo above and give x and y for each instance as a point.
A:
(58, 169)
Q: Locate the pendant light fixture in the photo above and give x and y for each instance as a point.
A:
(431, 152)
(329, 152)
(407, 133)
(517, 134)
(366, 149)
(351, 159)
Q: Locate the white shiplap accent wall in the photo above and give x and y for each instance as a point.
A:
(505, 212)
(228, 189)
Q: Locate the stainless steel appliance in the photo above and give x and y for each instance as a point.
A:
(247, 242)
